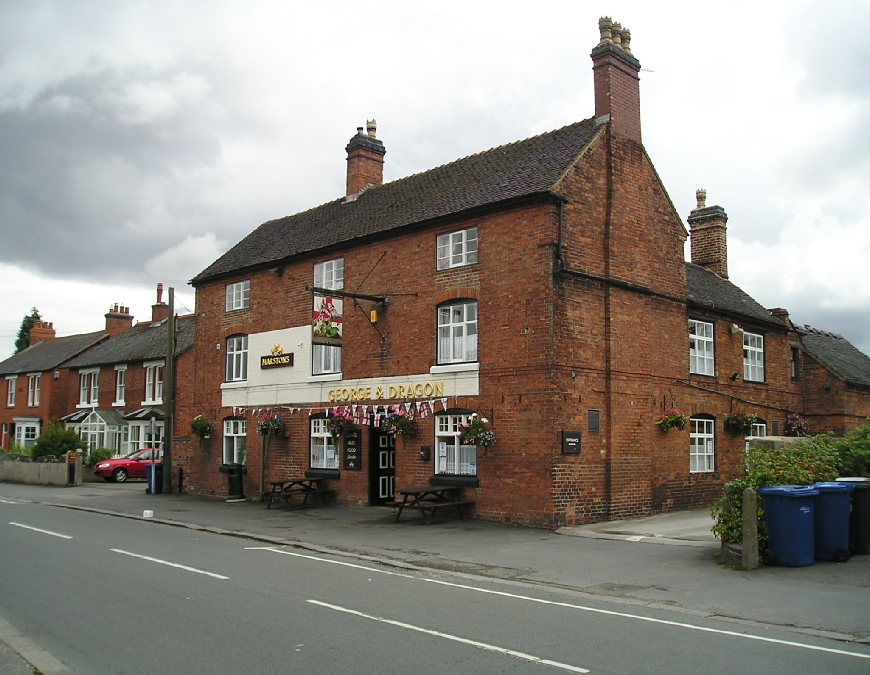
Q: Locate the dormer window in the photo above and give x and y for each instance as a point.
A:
(457, 249)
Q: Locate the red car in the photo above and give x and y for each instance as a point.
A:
(131, 466)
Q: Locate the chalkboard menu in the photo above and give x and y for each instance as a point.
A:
(352, 459)
(570, 442)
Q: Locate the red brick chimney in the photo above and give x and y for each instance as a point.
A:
(41, 330)
(617, 85)
(709, 237)
(160, 310)
(118, 320)
(365, 160)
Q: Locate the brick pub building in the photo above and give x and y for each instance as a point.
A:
(541, 285)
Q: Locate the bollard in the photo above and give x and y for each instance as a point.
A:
(750, 529)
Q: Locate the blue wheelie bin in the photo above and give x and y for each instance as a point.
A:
(831, 513)
(859, 519)
(788, 511)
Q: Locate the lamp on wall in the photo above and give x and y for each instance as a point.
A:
(735, 328)
(735, 377)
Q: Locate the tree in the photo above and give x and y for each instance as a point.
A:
(22, 342)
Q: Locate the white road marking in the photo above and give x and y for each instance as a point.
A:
(6, 501)
(584, 608)
(456, 638)
(36, 529)
(169, 564)
(635, 537)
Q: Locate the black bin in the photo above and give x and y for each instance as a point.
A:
(235, 487)
(859, 519)
(154, 480)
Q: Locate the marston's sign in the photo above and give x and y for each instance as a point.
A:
(277, 358)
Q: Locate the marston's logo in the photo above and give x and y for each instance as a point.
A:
(277, 359)
(277, 350)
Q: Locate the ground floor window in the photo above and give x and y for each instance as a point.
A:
(235, 441)
(144, 435)
(324, 454)
(701, 445)
(452, 457)
(26, 433)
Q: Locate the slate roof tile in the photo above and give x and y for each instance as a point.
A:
(49, 354)
(711, 292)
(836, 354)
(142, 342)
(520, 169)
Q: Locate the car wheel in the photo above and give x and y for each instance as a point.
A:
(119, 475)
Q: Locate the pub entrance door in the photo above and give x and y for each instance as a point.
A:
(383, 468)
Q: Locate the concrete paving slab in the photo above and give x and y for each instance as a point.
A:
(682, 528)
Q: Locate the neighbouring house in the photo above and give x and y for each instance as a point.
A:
(540, 285)
(115, 396)
(35, 380)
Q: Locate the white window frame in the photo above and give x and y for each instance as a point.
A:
(10, 391)
(758, 430)
(324, 450)
(457, 249)
(457, 333)
(153, 383)
(120, 384)
(325, 359)
(236, 366)
(452, 457)
(89, 388)
(238, 295)
(26, 432)
(139, 438)
(329, 274)
(701, 358)
(753, 357)
(702, 445)
(235, 441)
(33, 385)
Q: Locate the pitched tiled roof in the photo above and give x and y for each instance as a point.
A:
(142, 342)
(49, 354)
(709, 291)
(520, 169)
(836, 354)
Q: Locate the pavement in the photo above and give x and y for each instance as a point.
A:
(669, 562)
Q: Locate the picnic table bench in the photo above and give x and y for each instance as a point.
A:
(427, 500)
(304, 487)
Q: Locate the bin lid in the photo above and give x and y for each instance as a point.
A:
(789, 491)
(834, 487)
(860, 482)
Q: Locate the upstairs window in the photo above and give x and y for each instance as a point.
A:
(457, 333)
(89, 387)
(33, 383)
(793, 363)
(239, 295)
(10, 391)
(753, 357)
(120, 384)
(154, 382)
(237, 358)
(457, 249)
(700, 347)
(326, 359)
(329, 274)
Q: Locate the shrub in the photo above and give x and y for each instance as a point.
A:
(55, 440)
(854, 452)
(99, 455)
(812, 459)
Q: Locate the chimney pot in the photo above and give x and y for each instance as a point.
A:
(701, 196)
(604, 27)
(159, 292)
(371, 128)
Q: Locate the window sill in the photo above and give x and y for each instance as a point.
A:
(448, 479)
(326, 377)
(83, 406)
(240, 384)
(119, 404)
(334, 474)
(159, 401)
(456, 367)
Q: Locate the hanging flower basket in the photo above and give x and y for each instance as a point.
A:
(475, 432)
(672, 419)
(201, 428)
(740, 423)
(340, 422)
(795, 425)
(398, 421)
(271, 426)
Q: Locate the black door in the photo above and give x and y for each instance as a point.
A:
(383, 468)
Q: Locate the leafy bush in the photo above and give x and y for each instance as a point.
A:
(854, 452)
(55, 440)
(812, 459)
(99, 455)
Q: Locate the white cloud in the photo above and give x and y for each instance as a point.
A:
(187, 259)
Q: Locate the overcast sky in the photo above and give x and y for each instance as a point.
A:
(140, 140)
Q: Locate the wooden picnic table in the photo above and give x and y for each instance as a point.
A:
(304, 487)
(428, 499)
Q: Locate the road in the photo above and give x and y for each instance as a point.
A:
(100, 594)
